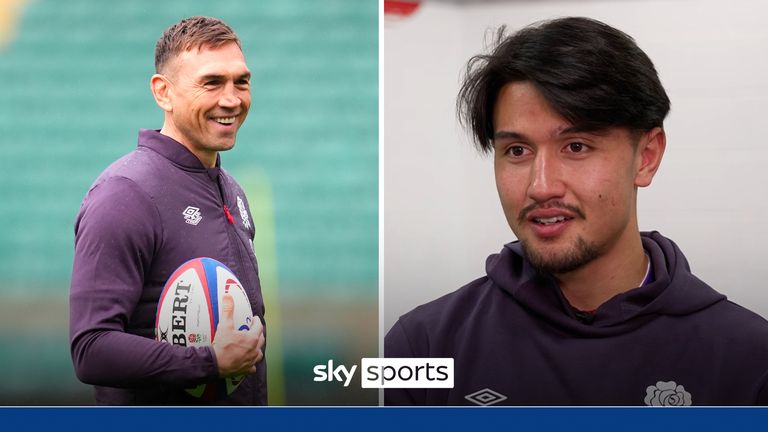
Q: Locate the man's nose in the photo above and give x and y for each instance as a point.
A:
(229, 97)
(545, 182)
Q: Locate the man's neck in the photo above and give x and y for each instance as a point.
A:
(207, 158)
(618, 270)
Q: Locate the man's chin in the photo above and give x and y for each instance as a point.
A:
(223, 146)
(556, 258)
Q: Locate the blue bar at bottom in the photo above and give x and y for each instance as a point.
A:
(382, 419)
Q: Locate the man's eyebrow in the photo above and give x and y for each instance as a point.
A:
(514, 135)
(209, 77)
(582, 129)
(509, 135)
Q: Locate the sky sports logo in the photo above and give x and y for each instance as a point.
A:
(391, 373)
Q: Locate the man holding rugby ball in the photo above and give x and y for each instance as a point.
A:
(161, 205)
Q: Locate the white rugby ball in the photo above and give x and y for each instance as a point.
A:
(189, 309)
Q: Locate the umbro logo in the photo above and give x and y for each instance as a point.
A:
(192, 215)
(485, 397)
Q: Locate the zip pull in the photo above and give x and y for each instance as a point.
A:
(229, 215)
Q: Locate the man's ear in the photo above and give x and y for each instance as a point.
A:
(650, 150)
(161, 89)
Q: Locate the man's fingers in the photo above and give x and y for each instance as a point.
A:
(257, 329)
(237, 352)
(259, 351)
(227, 310)
(260, 343)
(256, 325)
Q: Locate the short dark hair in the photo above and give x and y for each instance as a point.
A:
(189, 33)
(592, 74)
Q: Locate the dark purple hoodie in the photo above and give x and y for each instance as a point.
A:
(148, 213)
(516, 341)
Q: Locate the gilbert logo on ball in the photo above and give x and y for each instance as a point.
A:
(189, 309)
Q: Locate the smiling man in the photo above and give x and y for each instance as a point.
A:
(165, 203)
(583, 309)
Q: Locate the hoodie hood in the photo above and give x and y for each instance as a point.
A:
(674, 290)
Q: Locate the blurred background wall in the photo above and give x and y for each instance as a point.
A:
(441, 215)
(75, 92)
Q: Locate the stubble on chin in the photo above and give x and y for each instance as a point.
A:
(579, 254)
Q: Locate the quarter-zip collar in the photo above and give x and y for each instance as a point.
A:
(175, 152)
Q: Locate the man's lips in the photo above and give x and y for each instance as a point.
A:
(550, 216)
(225, 117)
(551, 213)
(549, 223)
(550, 220)
(224, 120)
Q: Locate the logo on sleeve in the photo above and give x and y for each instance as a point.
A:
(243, 212)
(192, 215)
(667, 394)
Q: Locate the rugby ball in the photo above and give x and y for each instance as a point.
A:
(189, 309)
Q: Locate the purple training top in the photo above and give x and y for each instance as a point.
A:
(516, 340)
(146, 214)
